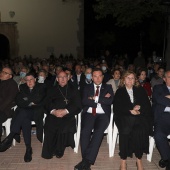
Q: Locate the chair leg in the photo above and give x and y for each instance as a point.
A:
(151, 146)
(77, 134)
(110, 141)
(115, 134)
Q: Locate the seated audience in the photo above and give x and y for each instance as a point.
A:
(97, 100)
(21, 78)
(29, 101)
(132, 114)
(87, 80)
(106, 72)
(8, 92)
(42, 79)
(144, 82)
(158, 78)
(115, 81)
(78, 76)
(161, 109)
(62, 104)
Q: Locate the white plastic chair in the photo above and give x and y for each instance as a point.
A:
(108, 131)
(77, 134)
(151, 146)
(115, 138)
(7, 125)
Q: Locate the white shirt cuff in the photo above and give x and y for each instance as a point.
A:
(167, 109)
(96, 99)
(52, 111)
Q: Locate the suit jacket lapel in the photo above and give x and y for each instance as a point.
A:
(166, 90)
(102, 90)
(92, 89)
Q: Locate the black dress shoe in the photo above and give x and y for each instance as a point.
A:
(28, 155)
(17, 138)
(59, 154)
(83, 165)
(5, 144)
(168, 166)
(163, 163)
(79, 166)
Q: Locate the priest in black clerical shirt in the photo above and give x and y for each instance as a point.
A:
(62, 104)
(29, 102)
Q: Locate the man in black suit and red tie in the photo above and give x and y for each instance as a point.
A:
(161, 109)
(97, 100)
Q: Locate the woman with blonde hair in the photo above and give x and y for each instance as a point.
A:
(132, 115)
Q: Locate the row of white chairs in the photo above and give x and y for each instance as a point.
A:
(108, 131)
(111, 131)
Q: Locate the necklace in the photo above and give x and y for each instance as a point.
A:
(65, 97)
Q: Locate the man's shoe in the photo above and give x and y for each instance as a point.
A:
(83, 165)
(28, 155)
(168, 166)
(5, 144)
(79, 166)
(163, 163)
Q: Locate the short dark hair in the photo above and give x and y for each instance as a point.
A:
(67, 69)
(31, 74)
(161, 68)
(114, 70)
(97, 69)
(140, 71)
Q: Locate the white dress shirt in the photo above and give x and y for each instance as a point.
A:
(99, 109)
(130, 92)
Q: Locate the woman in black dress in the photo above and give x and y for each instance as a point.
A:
(132, 115)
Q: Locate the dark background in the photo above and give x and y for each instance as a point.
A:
(146, 36)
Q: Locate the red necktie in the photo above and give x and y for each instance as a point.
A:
(96, 94)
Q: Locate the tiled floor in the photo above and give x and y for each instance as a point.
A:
(13, 159)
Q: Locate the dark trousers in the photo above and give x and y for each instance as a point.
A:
(3, 118)
(90, 144)
(161, 131)
(23, 121)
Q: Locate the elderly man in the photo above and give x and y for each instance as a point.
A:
(62, 104)
(161, 109)
(29, 101)
(8, 92)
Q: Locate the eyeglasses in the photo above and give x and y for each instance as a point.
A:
(4, 72)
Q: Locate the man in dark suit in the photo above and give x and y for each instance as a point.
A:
(97, 100)
(161, 109)
(78, 76)
(29, 101)
(9, 89)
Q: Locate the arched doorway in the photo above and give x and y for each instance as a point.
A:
(4, 47)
